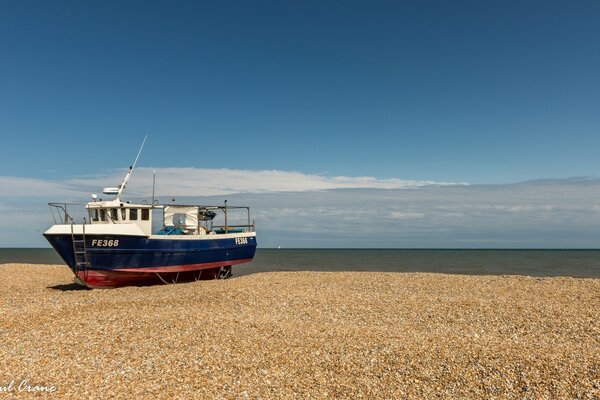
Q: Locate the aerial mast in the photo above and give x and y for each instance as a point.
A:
(118, 190)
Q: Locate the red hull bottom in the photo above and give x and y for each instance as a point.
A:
(101, 279)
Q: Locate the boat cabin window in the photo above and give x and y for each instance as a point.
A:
(116, 214)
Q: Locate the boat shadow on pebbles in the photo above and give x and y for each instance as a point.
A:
(68, 287)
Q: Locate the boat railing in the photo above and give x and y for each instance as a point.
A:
(60, 212)
(231, 228)
(70, 212)
(226, 228)
(225, 224)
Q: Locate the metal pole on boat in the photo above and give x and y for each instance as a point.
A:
(131, 168)
(225, 210)
(153, 183)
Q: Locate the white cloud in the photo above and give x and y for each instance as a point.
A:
(207, 182)
(11, 186)
(564, 213)
(406, 215)
(201, 182)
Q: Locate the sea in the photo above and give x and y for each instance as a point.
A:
(539, 263)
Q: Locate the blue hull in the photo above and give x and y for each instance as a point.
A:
(127, 259)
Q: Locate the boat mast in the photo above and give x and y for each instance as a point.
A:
(126, 180)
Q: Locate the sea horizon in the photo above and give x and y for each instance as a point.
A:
(579, 263)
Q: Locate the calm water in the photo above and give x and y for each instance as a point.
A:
(576, 263)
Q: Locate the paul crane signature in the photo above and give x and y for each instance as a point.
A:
(25, 386)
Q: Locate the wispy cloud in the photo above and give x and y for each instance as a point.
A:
(207, 182)
(560, 213)
(11, 186)
(203, 182)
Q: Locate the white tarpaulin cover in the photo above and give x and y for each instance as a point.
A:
(184, 217)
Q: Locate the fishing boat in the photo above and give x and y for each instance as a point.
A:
(114, 244)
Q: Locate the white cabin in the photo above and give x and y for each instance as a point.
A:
(119, 212)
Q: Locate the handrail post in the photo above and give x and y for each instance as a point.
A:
(225, 211)
(248, 210)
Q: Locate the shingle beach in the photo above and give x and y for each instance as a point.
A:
(301, 335)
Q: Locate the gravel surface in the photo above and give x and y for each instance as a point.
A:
(301, 335)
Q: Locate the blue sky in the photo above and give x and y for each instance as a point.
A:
(476, 92)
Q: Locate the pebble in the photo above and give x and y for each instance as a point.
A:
(342, 335)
